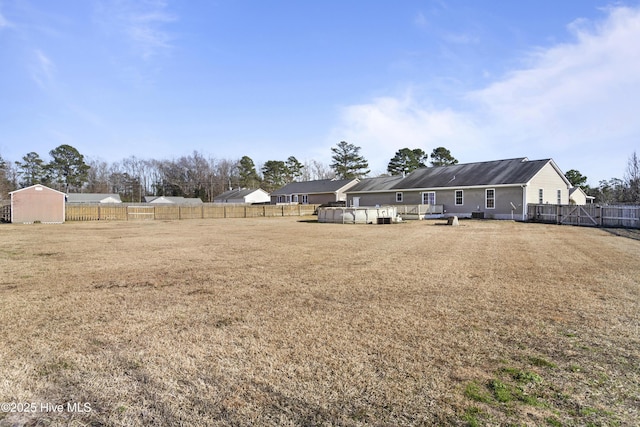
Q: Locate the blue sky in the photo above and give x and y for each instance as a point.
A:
(486, 79)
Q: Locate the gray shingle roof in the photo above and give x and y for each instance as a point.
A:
(497, 172)
(91, 197)
(313, 187)
(235, 194)
(178, 200)
(381, 183)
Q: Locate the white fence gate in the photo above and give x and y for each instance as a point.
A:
(586, 215)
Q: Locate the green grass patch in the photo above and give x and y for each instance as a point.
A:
(522, 377)
(510, 386)
(472, 416)
(541, 362)
(553, 421)
(501, 391)
(475, 391)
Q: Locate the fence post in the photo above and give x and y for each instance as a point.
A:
(600, 221)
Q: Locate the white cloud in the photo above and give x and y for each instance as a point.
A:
(3, 22)
(420, 21)
(42, 69)
(576, 102)
(388, 124)
(142, 23)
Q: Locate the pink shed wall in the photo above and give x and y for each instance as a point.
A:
(37, 203)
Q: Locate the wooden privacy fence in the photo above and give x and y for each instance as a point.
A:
(136, 212)
(586, 215)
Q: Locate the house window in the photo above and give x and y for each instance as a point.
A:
(429, 198)
(459, 198)
(294, 198)
(559, 197)
(281, 199)
(540, 196)
(304, 199)
(490, 198)
(399, 197)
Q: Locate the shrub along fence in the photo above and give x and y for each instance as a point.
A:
(136, 212)
(586, 215)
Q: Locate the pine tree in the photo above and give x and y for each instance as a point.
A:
(442, 157)
(347, 161)
(248, 176)
(31, 170)
(406, 161)
(67, 167)
(294, 169)
(274, 175)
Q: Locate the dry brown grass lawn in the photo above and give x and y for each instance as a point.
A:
(288, 322)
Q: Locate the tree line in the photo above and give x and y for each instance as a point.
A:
(193, 175)
(196, 175)
(614, 190)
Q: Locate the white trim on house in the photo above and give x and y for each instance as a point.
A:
(430, 200)
(487, 198)
(42, 186)
(462, 187)
(455, 197)
(524, 201)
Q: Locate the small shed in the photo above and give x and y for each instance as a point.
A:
(37, 203)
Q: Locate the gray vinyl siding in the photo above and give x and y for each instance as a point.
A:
(373, 199)
(473, 200)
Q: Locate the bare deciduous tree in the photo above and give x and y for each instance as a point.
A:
(632, 179)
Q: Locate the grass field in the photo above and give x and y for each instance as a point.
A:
(284, 321)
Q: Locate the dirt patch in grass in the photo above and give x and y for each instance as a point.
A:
(286, 322)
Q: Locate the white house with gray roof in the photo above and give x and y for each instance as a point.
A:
(499, 189)
(76, 198)
(313, 192)
(244, 195)
(172, 200)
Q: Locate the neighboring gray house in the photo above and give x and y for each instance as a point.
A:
(313, 192)
(498, 189)
(167, 200)
(244, 195)
(93, 198)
